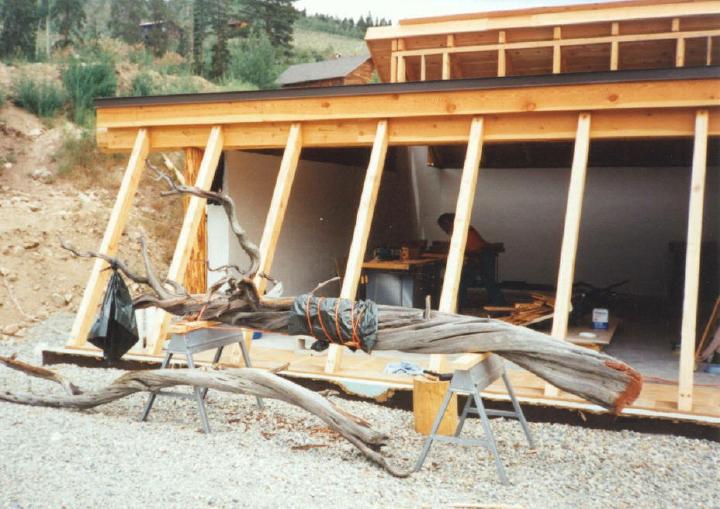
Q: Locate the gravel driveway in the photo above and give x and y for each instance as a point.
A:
(106, 458)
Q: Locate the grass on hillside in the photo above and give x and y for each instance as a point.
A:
(330, 43)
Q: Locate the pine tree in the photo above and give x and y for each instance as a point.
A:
(158, 37)
(199, 30)
(275, 18)
(219, 13)
(19, 28)
(69, 18)
(125, 19)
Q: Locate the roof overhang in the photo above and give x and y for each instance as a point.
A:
(639, 104)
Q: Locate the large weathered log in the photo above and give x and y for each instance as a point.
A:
(250, 381)
(236, 301)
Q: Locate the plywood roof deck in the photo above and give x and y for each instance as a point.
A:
(636, 34)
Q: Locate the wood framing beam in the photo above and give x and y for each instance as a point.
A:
(423, 68)
(195, 280)
(691, 93)
(188, 232)
(111, 238)
(279, 203)
(652, 123)
(401, 63)
(361, 233)
(571, 232)
(502, 57)
(393, 61)
(551, 43)
(573, 214)
(614, 47)
(463, 218)
(557, 51)
(692, 264)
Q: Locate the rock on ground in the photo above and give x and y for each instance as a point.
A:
(105, 457)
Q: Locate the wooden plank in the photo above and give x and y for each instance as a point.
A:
(111, 238)
(571, 232)
(502, 56)
(576, 41)
(423, 68)
(557, 51)
(692, 263)
(463, 218)
(401, 63)
(446, 73)
(614, 47)
(650, 123)
(366, 211)
(696, 93)
(279, 203)
(573, 214)
(195, 280)
(708, 51)
(393, 61)
(188, 232)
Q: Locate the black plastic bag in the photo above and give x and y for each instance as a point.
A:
(115, 329)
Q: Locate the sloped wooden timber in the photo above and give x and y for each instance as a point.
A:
(366, 211)
(111, 239)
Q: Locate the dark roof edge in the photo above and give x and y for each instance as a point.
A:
(689, 73)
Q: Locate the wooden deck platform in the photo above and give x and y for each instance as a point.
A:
(362, 375)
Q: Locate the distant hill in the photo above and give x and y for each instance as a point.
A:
(327, 44)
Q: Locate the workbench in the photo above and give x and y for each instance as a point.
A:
(403, 282)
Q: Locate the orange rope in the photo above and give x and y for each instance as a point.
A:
(322, 325)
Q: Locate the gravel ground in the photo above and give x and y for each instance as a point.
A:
(105, 457)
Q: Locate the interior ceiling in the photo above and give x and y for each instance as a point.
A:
(603, 153)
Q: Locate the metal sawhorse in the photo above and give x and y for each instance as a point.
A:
(189, 339)
(471, 382)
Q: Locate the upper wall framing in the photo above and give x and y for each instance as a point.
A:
(637, 34)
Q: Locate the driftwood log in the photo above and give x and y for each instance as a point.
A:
(250, 381)
(235, 300)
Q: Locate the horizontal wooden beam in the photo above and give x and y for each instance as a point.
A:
(423, 131)
(549, 43)
(698, 93)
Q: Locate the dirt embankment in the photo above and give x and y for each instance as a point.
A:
(38, 207)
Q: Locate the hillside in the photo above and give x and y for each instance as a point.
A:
(327, 43)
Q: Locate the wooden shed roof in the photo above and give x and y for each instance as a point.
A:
(324, 70)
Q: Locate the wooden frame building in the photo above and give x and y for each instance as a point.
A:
(619, 102)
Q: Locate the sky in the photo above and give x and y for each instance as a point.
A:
(399, 9)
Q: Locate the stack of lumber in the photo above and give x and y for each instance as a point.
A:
(525, 313)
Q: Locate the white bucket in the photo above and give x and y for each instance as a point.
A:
(600, 318)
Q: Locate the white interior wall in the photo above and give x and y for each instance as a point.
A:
(318, 224)
(629, 216)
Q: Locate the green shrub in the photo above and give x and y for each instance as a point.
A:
(2, 97)
(86, 82)
(252, 60)
(142, 85)
(41, 97)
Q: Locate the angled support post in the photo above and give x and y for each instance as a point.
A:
(274, 221)
(463, 216)
(692, 263)
(111, 238)
(195, 280)
(366, 210)
(571, 233)
(188, 232)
